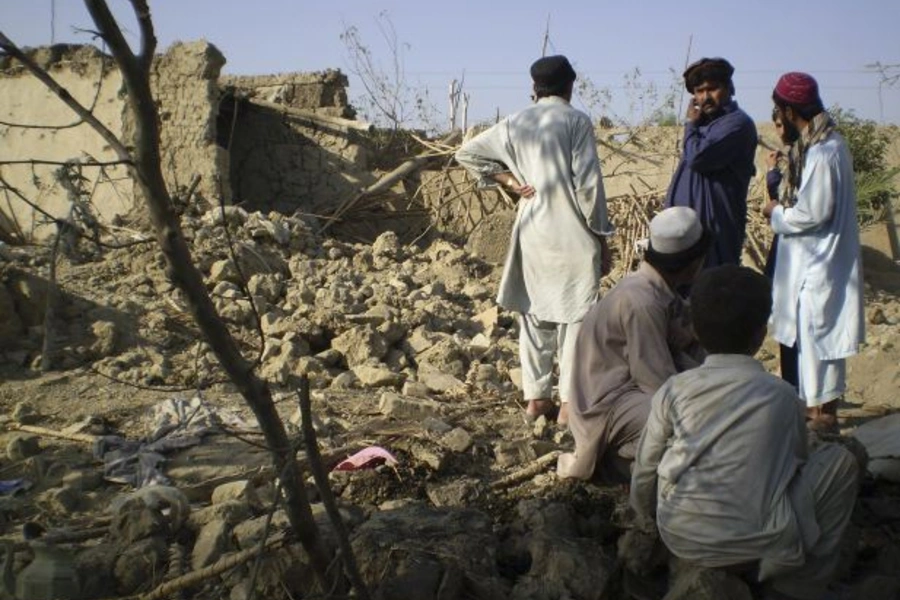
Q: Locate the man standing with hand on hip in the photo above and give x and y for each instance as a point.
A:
(547, 153)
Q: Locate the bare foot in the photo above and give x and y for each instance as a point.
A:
(823, 418)
(823, 424)
(536, 408)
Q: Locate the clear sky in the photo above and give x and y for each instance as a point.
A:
(493, 43)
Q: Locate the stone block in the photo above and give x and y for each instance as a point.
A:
(403, 407)
(457, 440)
(212, 542)
(441, 382)
(374, 376)
(359, 344)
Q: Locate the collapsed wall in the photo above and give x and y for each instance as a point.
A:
(324, 92)
(185, 85)
(38, 130)
(281, 142)
(291, 141)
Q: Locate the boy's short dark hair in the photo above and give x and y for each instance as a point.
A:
(729, 306)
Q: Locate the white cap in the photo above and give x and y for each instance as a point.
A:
(675, 230)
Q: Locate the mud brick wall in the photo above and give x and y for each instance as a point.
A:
(324, 92)
(287, 164)
(185, 84)
(184, 81)
(207, 129)
(93, 80)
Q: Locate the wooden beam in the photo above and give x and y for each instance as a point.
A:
(313, 117)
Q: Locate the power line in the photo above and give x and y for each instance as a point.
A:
(591, 72)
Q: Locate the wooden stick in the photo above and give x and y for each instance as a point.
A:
(311, 116)
(320, 475)
(531, 470)
(435, 146)
(74, 437)
(507, 199)
(626, 154)
(199, 576)
(756, 252)
(386, 181)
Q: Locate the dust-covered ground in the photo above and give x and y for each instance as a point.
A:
(405, 351)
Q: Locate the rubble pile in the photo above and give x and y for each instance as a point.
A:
(409, 358)
(347, 315)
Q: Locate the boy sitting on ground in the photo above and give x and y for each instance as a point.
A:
(723, 463)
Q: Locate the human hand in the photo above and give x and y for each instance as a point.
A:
(772, 158)
(606, 258)
(638, 549)
(509, 181)
(693, 112)
(525, 191)
(769, 208)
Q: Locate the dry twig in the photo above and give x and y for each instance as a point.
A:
(321, 479)
(74, 437)
(197, 577)
(538, 466)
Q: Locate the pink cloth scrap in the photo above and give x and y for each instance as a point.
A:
(367, 458)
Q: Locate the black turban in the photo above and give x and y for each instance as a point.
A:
(707, 69)
(551, 71)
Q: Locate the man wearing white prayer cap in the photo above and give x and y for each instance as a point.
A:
(630, 342)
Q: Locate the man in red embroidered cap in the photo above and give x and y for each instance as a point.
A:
(817, 287)
(717, 159)
(547, 154)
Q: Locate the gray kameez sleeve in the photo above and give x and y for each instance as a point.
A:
(651, 447)
(485, 154)
(588, 179)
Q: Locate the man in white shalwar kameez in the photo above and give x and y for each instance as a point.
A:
(723, 467)
(547, 153)
(817, 285)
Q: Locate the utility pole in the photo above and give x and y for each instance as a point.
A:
(546, 37)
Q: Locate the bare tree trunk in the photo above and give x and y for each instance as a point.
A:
(146, 168)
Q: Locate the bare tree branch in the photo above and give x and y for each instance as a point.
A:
(110, 31)
(5, 185)
(147, 170)
(320, 475)
(148, 37)
(75, 123)
(63, 163)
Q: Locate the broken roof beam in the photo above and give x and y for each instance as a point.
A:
(300, 114)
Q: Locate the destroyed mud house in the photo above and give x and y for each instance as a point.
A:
(363, 266)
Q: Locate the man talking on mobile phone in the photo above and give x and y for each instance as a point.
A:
(717, 159)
